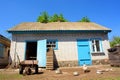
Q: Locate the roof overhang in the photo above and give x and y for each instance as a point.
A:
(55, 31)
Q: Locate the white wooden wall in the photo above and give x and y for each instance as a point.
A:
(67, 44)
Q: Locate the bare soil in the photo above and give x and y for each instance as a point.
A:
(109, 73)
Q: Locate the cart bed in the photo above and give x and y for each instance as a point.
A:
(29, 62)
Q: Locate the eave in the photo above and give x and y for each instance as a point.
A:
(55, 31)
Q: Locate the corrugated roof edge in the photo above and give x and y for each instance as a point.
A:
(12, 29)
(58, 31)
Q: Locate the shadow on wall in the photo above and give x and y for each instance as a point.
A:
(55, 60)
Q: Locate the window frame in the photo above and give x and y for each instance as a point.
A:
(100, 45)
(56, 43)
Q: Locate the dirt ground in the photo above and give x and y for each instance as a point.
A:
(109, 73)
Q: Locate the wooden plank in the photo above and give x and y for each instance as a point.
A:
(5, 41)
(114, 56)
(115, 61)
(49, 64)
(41, 53)
(29, 62)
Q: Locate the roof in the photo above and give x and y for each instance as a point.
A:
(4, 40)
(58, 26)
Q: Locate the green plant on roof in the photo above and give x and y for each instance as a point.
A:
(43, 18)
(115, 40)
(57, 18)
(85, 19)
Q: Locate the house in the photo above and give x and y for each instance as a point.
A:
(74, 43)
(4, 51)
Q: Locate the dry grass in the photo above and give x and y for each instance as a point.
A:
(67, 74)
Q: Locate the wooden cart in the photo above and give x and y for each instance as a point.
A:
(28, 65)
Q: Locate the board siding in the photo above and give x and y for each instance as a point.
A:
(41, 53)
(84, 52)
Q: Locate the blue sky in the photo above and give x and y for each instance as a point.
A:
(103, 12)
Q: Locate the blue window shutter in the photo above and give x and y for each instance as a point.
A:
(41, 53)
(101, 48)
(91, 50)
(56, 48)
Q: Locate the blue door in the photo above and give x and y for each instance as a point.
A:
(41, 53)
(84, 52)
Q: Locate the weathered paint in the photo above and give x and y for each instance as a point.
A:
(84, 56)
(41, 53)
(67, 44)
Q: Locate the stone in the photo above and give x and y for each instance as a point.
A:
(99, 72)
(75, 73)
(58, 71)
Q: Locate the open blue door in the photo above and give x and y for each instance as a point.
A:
(84, 56)
(41, 53)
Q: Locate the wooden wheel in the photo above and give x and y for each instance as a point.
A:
(20, 70)
(36, 69)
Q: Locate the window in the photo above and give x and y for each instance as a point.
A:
(2, 50)
(52, 44)
(96, 45)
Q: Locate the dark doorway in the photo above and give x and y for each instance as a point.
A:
(31, 50)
